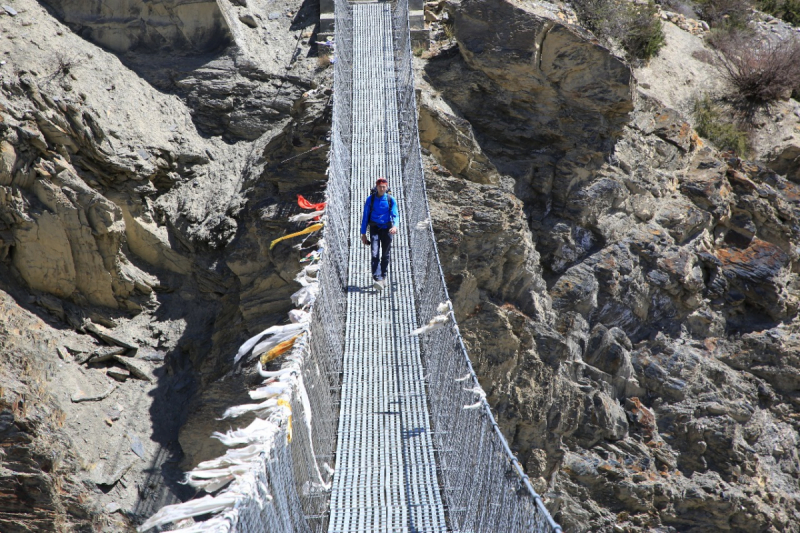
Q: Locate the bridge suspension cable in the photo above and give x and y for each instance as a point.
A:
(478, 481)
(417, 447)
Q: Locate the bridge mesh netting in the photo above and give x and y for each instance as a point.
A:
(386, 477)
(418, 448)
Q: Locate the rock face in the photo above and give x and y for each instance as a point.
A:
(628, 294)
(122, 25)
(239, 103)
(518, 64)
(38, 482)
(638, 349)
(138, 200)
(61, 233)
(484, 241)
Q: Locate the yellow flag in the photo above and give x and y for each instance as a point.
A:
(286, 404)
(310, 229)
(278, 350)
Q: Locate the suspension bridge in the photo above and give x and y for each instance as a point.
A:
(381, 430)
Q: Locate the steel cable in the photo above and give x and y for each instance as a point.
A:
(473, 475)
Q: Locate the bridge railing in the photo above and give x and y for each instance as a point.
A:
(485, 488)
(280, 480)
(290, 494)
(285, 488)
(322, 368)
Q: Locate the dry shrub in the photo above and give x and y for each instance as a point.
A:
(760, 71)
(634, 26)
(323, 61)
(732, 14)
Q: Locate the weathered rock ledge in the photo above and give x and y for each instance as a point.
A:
(627, 294)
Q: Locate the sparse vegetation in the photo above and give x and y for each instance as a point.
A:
(725, 14)
(635, 27)
(65, 64)
(449, 31)
(759, 71)
(645, 36)
(710, 123)
(788, 10)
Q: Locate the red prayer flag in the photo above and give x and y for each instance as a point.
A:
(305, 204)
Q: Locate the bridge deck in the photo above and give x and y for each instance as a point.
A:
(386, 478)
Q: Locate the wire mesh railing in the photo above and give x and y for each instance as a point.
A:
(322, 368)
(281, 482)
(290, 494)
(484, 485)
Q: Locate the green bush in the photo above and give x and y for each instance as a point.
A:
(788, 10)
(725, 14)
(645, 36)
(791, 12)
(769, 6)
(725, 135)
(636, 27)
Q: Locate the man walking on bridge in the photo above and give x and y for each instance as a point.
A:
(380, 214)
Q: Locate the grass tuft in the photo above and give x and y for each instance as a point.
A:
(725, 134)
(636, 27)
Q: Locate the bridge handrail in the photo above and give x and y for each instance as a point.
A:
(422, 237)
(284, 487)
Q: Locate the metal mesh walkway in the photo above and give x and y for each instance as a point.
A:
(357, 352)
(385, 467)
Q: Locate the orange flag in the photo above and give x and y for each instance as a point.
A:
(305, 204)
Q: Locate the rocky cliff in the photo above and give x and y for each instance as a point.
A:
(138, 195)
(627, 312)
(627, 293)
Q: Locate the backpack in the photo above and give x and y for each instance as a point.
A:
(374, 194)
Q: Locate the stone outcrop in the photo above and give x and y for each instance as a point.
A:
(73, 210)
(238, 103)
(139, 200)
(526, 81)
(486, 247)
(451, 140)
(646, 372)
(40, 491)
(785, 160)
(122, 26)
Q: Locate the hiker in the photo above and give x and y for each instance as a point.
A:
(380, 214)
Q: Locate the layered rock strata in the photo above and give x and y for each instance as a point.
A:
(138, 197)
(619, 311)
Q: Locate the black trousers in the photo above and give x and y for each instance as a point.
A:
(381, 243)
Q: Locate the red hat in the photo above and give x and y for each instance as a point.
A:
(381, 180)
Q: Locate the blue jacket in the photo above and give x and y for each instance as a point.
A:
(382, 215)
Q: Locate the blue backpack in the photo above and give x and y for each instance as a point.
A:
(374, 194)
